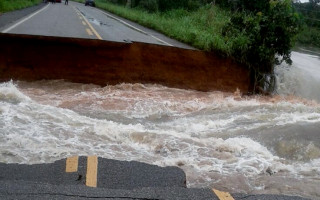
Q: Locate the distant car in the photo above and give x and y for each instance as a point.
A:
(89, 3)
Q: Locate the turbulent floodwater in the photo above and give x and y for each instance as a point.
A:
(222, 140)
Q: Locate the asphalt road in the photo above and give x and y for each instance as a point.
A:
(79, 21)
(115, 180)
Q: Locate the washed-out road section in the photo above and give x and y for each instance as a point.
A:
(116, 179)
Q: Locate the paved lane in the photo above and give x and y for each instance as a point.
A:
(53, 20)
(115, 180)
(115, 29)
(80, 21)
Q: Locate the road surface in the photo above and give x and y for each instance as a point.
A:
(79, 21)
(115, 180)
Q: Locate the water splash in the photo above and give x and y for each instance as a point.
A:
(302, 78)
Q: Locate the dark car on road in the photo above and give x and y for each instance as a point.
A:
(90, 3)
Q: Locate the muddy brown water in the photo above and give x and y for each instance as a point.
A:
(223, 140)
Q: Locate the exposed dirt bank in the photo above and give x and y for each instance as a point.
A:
(26, 57)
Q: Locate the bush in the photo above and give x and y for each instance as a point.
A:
(149, 5)
(310, 12)
(265, 32)
(165, 5)
(240, 5)
(193, 5)
(1, 6)
(310, 37)
(119, 2)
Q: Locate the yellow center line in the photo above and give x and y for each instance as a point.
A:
(72, 164)
(90, 26)
(89, 31)
(223, 195)
(84, 23)
(93, 30)
(92, 171)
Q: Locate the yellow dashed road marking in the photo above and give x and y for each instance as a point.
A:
(93, 30)
(84, 23)
(89, 31)
(92, 171)
(223, 195)
(72, 164)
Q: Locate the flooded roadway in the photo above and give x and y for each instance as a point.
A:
(223, 140)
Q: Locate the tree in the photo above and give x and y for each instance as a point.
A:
(265, 32)
(314, 2)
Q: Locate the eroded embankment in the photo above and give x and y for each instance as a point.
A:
(26, 57)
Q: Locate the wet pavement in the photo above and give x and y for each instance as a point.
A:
(115, 180)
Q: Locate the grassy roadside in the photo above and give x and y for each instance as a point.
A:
(201, 28)
(11, 5)
(310, 36)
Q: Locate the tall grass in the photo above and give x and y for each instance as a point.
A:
(10, 5)
(310, 36)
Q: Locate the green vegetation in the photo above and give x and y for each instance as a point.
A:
(257, 33)
(310, 12)
(10, 5)
(270, 28)
(310, 36)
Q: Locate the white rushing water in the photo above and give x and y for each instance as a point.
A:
(222, 140)
(303, 78)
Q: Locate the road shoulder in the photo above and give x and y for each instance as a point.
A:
(9, 18)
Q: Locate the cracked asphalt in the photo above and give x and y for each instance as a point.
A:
(115, 180)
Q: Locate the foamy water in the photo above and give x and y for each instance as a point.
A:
(302, 78)
(222, 140)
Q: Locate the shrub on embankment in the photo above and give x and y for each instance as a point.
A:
(270, 28)
(10, 5)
